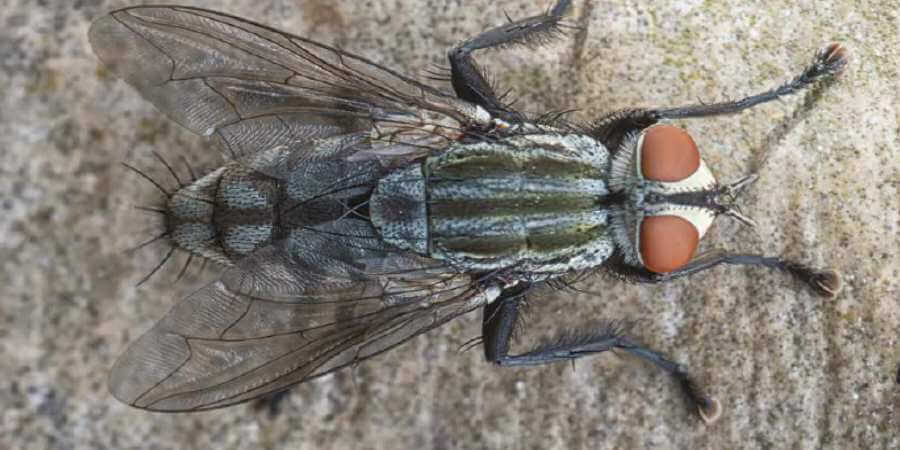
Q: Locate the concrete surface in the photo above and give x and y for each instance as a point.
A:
(791, 370)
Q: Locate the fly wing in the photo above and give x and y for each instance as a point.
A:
(255, 88)
(285, 315)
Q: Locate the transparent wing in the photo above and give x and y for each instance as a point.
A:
(254, 88)
(285, 315)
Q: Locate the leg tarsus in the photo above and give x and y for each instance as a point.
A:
(824, 282)
(534, 29)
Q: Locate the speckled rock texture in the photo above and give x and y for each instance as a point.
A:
(790, 369)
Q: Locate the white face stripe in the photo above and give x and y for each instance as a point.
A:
(701, 179)
(701, 218)
(638, 154)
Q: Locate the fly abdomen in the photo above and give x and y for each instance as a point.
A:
(532, 203)
(224, 215)
(244, 206)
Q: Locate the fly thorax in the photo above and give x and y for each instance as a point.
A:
(529, 203)
(224, 215)
(670, 198)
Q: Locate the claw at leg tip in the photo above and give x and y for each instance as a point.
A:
(710, 412)
(835, 55)
(828, 283)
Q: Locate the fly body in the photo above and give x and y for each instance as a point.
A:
(361, 207)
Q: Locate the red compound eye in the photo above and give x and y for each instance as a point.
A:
(668, 154)
(667, 242)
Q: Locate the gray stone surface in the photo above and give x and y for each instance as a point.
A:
(791, 370)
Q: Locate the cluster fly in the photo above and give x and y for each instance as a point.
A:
(361, 208)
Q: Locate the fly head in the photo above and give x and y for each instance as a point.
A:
(669, 195)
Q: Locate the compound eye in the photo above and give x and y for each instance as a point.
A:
(667, 242)
(668, 154)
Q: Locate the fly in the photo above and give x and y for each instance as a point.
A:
(361, 208)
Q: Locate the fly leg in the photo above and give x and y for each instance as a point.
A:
(469, 82)
(828, 61)
(498, 326)
(825, 283)
(613, 128)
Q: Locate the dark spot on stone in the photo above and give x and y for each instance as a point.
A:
(16, 20)
(96, 134)
(51, 405)
(65, 136)
(43, 216)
